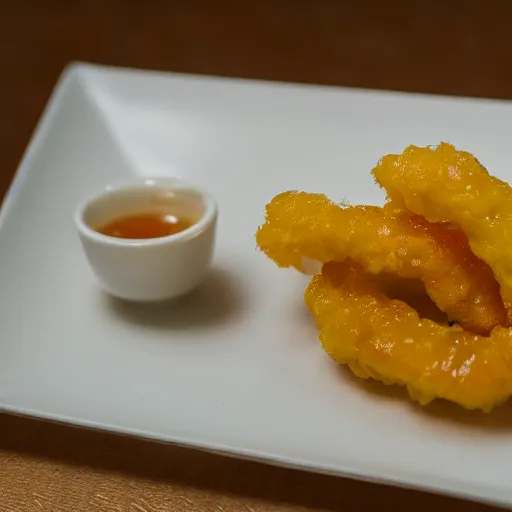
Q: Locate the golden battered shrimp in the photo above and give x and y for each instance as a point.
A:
(386, 340)
(446, 185)
(300, 225)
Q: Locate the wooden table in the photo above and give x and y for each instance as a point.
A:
(451, 47)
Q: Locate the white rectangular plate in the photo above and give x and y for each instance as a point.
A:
(235, 367)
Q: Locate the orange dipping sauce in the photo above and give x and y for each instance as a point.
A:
(144, 226)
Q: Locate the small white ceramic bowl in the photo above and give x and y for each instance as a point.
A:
(151, 269)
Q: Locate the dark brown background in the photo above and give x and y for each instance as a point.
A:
(450, 47)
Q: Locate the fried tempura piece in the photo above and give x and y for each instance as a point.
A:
(446, 185)
(301, 225)
(386, 340)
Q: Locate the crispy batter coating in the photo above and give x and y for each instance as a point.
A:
(386, 340)
(300, 225)
(446, 185)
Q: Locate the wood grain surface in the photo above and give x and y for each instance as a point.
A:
(448, 47)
